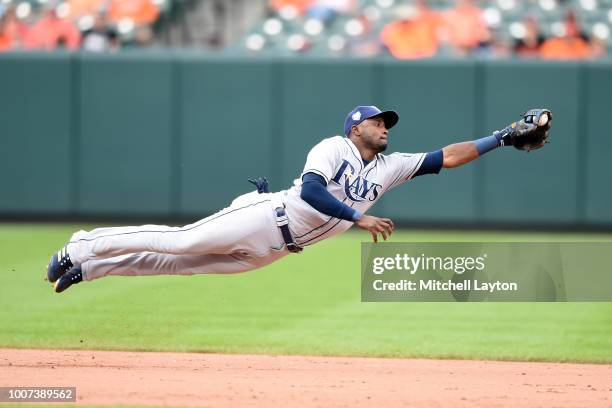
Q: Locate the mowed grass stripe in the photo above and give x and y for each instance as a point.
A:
(304, 304)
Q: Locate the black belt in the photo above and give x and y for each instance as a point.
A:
(283, 224)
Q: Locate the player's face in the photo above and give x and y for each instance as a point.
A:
(374, 134)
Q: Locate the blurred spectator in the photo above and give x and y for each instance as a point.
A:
(598, 47)
(143, 37)
(300, 6)
(572, 44)
(101, 37)
(415, 34)
(367, 44)
(52, 31)
(7, 35)
(465, 27)
(12, 30)
(529, 45)
(492, 47)
(79, 8)
(327, 10)
(138, 12)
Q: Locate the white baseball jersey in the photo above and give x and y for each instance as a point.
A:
(359, 186)
(245, 236)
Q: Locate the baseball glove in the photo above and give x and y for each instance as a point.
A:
(529, 133)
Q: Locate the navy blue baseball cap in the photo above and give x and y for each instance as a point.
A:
(361, 113)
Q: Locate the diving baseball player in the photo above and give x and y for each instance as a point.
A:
(343, 177)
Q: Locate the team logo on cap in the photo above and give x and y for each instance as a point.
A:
(356, 115)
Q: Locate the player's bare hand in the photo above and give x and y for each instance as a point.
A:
(382, 226)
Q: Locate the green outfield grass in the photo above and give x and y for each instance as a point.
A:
(304, 304)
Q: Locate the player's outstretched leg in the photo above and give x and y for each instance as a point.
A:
(232, 229)
(241, 237)
(151, 263)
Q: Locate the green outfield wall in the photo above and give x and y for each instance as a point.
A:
(178, 134)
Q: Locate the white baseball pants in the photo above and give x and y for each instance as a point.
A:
(239, 238)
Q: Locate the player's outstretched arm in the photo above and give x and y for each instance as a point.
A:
(529, 133)
(458, 154)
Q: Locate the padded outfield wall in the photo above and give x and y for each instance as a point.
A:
(178, 134)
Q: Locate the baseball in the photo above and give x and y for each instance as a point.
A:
(543, 120)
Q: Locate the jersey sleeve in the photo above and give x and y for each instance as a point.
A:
(403, 167)
(324, 157)
(432, 164)
(315, 193)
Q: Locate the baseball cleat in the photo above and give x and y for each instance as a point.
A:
(59, 264)
(68, 279)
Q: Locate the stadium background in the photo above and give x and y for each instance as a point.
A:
(169, 125)
(178, 135)
(172, 130)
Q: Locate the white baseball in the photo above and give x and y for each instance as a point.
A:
(543, 120)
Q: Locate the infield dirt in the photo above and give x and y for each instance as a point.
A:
(220, 380)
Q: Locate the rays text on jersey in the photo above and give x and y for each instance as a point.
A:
(356, 187)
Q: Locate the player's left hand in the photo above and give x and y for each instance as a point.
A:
(382, 226)
(529, 133)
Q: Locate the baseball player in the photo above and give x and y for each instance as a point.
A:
(343, 177)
